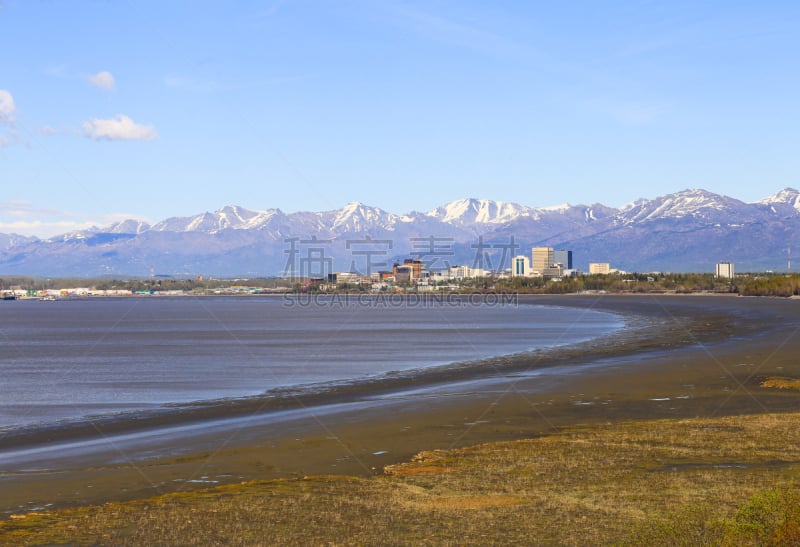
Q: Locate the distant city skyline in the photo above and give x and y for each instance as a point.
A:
(150, 110)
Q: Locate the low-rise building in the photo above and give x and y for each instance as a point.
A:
(341, 278)
(410, 268)
(404, 274)
(465, 272)
(553, 271)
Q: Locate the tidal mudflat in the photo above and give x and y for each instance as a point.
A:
(684, 357)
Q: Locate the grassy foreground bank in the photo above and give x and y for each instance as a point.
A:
(719, 481)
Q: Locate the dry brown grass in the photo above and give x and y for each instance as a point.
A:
(399, 470)
(718, 481)
(778, 382)
(464, 502)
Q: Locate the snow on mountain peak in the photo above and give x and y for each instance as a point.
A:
(128, 226)
(480, 211)
(229, 217)
(356, 216)
(233, 215)
(788, 196)
(468, 213)
(686, 203)
(453, 210)
(557, 208)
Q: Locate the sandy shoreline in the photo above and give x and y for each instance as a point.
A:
(695, 356)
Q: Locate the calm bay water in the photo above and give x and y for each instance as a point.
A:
(73, 358)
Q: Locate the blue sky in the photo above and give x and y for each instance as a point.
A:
(144, 109)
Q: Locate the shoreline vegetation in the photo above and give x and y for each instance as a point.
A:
(702, 481)
(747, 284)
(687, 434)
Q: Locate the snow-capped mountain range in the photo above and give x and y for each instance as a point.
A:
(688, 230)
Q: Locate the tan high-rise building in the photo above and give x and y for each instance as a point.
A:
(599, 268)
(541, 258)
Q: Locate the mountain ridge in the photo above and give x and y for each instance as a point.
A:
(686, 230)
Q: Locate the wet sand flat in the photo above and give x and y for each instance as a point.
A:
(693, 356)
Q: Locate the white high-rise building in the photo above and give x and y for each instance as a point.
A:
(725, 270)
(520, 266)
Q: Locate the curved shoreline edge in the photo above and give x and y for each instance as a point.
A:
(641, 332)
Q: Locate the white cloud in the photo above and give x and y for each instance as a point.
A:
(43, 228)
(120, 128)
(104, 80)
(26, 210)
(7, 107)
(25, 218)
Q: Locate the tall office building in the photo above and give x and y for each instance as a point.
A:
(599, 268)
(563, 257)
(725, 270)
(519, 266)
(541, 258)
